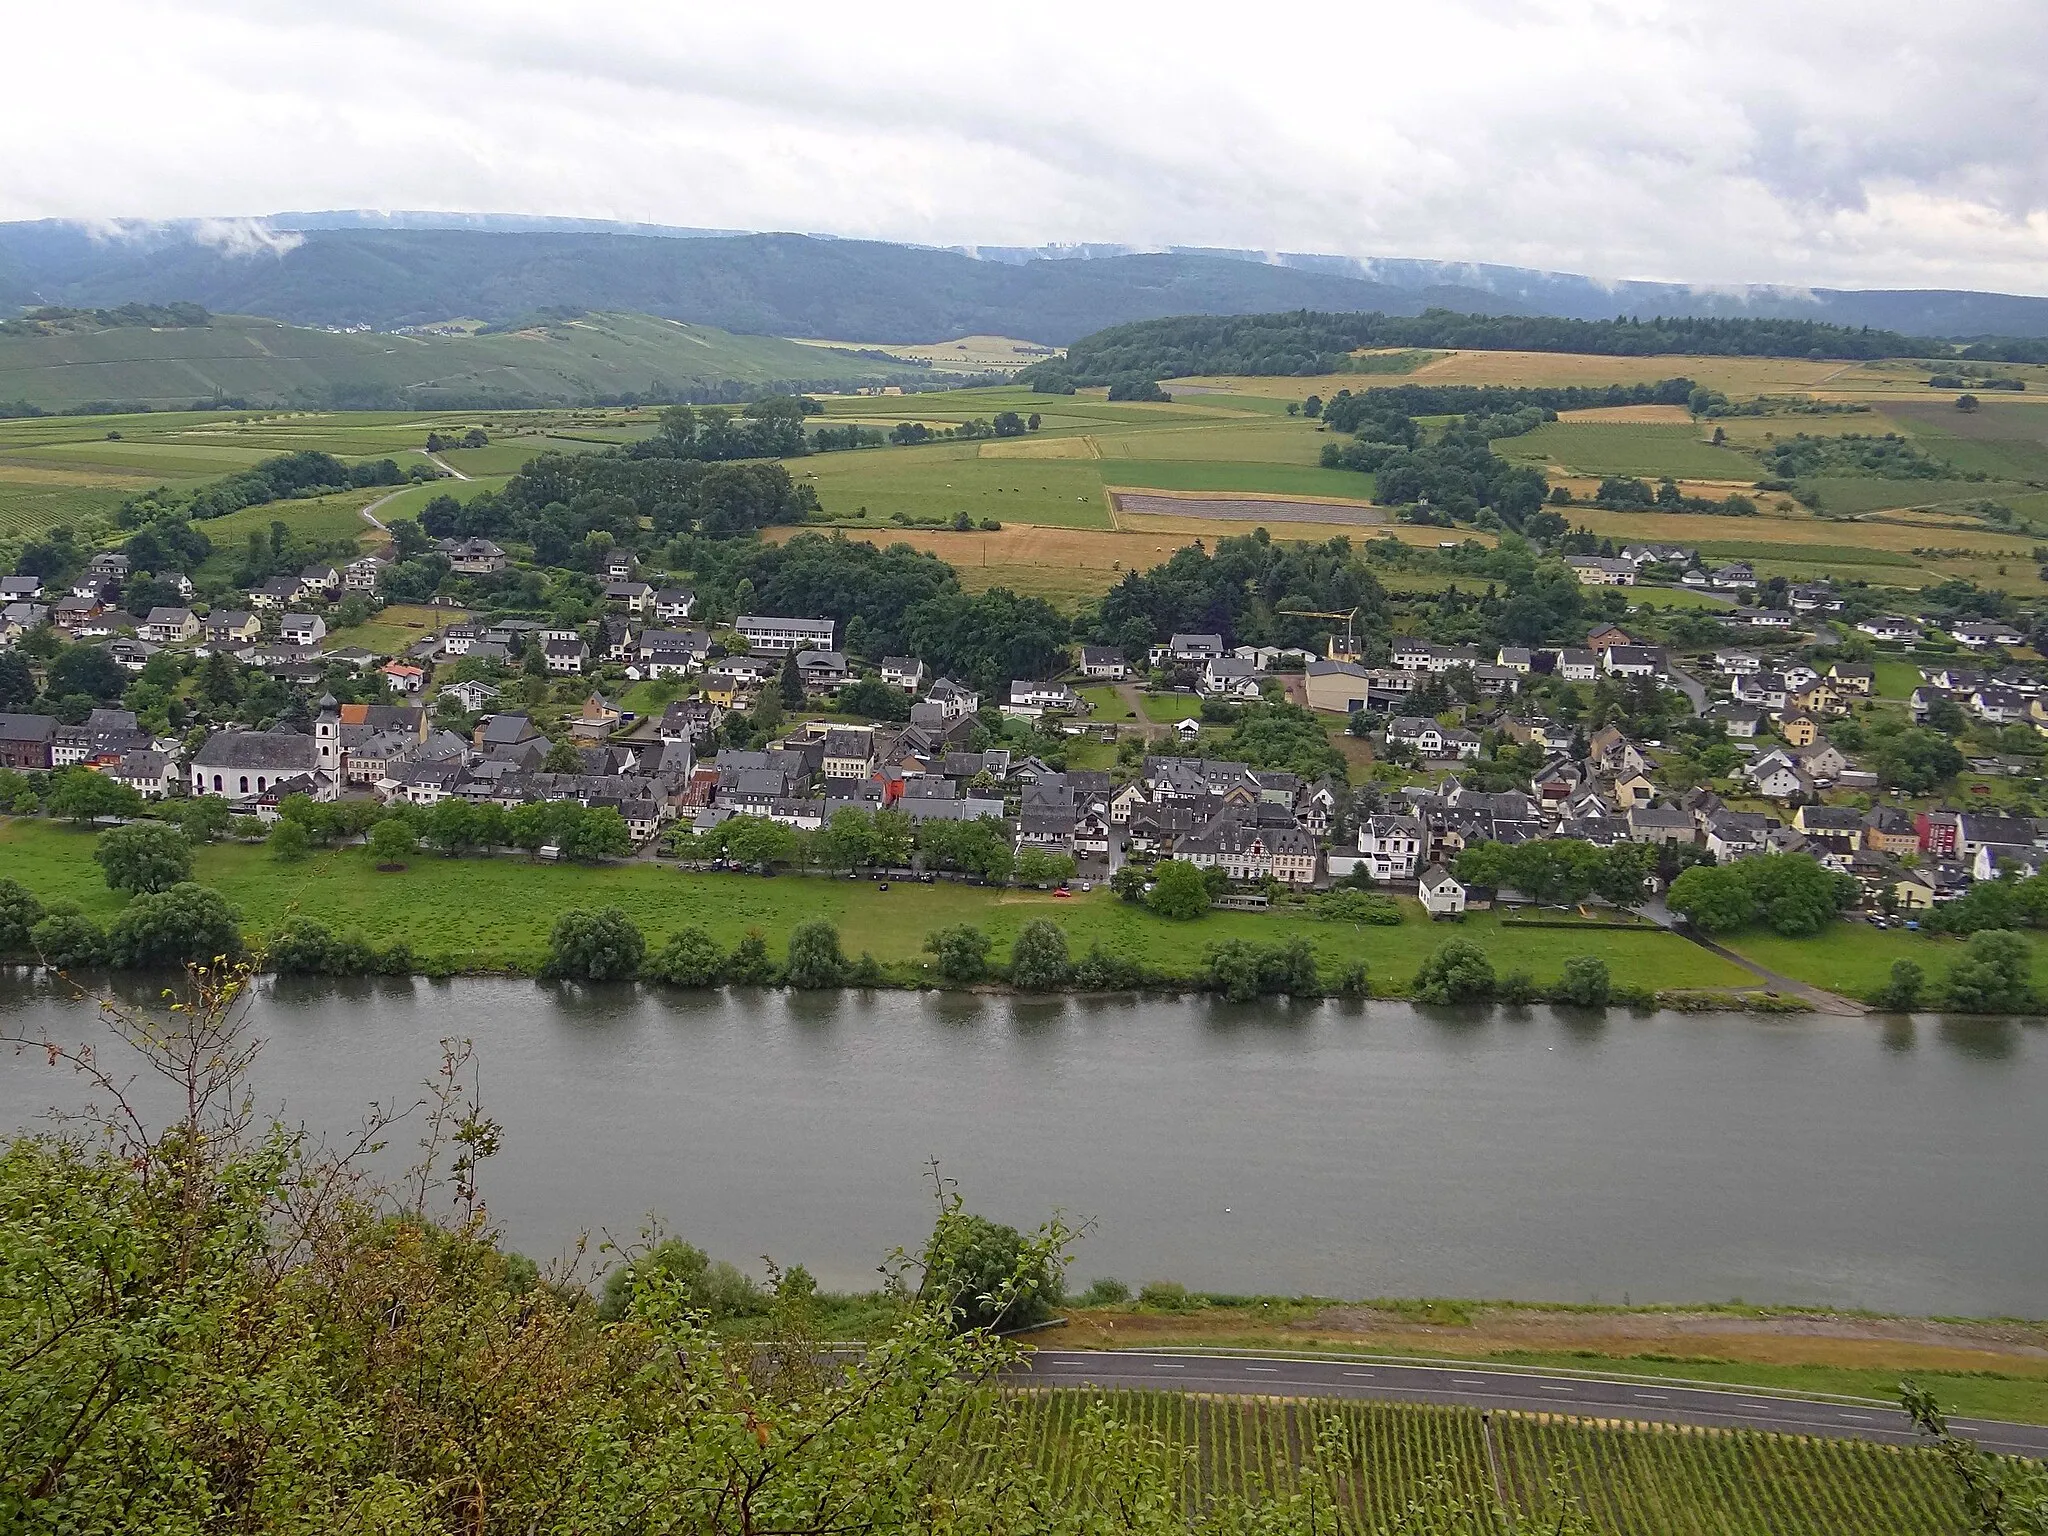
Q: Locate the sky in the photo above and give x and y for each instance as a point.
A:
(1844, 143)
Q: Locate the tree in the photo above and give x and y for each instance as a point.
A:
(1623, 869)
(66, 939)
(203, 818)
(84, 797)
(594, 833)
(1457, 971)
(1916, 760)
(601, 945)
(986, 1275)
(186, 925)
(1242, 970)
(1966, 403)
(751, 965)
(814, 957)
(1585, 982)
(1905, 991)
(563, 757)
(1713, 898)
(20, 911)
(451, 825)
(1794, 895)
(690, 958)
(848, 840)
(757, 840)
(17, 682)
(960, 953)
(1178, 891)
(289, 840)
(789, 684)
(89, 670)
(1994, 975)
(143, 856)
(1038, 956)
(1129, 883)
(392, 842)
(1040, 866)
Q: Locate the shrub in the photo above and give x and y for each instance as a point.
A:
(289, 840)
(1106, 1291)
(1585, 982)
(1359, 907)
(1993, 975)
(1519, 988)
(185, 925)
(717, 1289)
(690, 958)
(960, 953)
(1457, 971)
(1242, 970)
(1166, 1296)
(1354, 980)
(1178, 891)
(984, 1272)
(144, 856)
(750, 965)
(604, 945)
(304, 947)
(65, 938)
(392, 842)
(1101, 971)
(814, 957)
(1038, 956)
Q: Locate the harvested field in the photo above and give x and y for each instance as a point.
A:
(1646, 415)
(1243, 509)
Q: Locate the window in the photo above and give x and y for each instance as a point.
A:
(245, 784)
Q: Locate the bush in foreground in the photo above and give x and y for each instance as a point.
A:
(186, 925)
(143, 857)
(815, 960)
(1585, 982)
(959, 953)
(1038, 956)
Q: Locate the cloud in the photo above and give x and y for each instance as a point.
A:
(246, 237)
(1781, 141)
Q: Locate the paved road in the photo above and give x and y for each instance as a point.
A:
(440, 463)
(1823, 1001)
(370, 512)
(1518, 1391)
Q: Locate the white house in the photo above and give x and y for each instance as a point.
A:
(1104, 661)
(1441, 894)
(1600, 571)
(905, 672)
(1392, 846)
(302, 629)
(1030, 700)
(765, 632)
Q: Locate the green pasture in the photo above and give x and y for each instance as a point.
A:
(1207, 475)
(320, 517)
(495, 913)
(1170, 708)
(1896, 679)
(945, 479)
(1848, 495)
(395, 626)
(1855, 959)
(1627, 448)
(1820, 554)
(408, 502)
(1278, 442)
(1106, 705)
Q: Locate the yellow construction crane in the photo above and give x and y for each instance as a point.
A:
(1350, 619)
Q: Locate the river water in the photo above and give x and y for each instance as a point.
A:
(1343, 1149)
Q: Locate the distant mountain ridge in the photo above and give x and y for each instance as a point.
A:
(387, 270)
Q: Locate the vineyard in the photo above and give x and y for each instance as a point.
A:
(1632, 1480)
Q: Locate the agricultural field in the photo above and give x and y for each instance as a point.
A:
(1633, 448)
(1626, 1478)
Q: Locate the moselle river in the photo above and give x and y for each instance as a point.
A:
(1342, 1149)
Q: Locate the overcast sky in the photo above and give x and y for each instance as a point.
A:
(1861, 143)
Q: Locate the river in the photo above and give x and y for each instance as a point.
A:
(1343, 1149)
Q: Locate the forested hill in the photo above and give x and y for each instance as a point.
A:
(764, 285)
(1305, 342)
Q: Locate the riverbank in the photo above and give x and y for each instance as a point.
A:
(492, 915)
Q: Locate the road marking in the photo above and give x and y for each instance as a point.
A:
(1466, 1381)
(1863, 1416)
(1270, 1370)
(1169, 1367)
(1557, 1389)
(1361, 1375)
(1652, 1397)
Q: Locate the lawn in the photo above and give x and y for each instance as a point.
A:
(395, 626)
(495, 913)
(1855, 959)
(1106, 705)
(1896, 679)
(339, 516)
(1171, 708)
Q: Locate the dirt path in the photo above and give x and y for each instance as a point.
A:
(1134, 701)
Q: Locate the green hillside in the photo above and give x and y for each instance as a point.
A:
(266, 362)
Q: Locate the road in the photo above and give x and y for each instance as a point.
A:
(1822, 1000)
(1479, 1386)
(441, 463)
(370, 512)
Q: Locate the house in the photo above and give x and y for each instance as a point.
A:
(822, 671)
(1889, 829)
(1104, 661)
(1759, 618)
(471, 696)
(1997, 705)
(1890, 628)
(241, 765)
(1253, 852)
(1430, 740)
(1228, 677)
(1814, 600)
(905, 672)
(634, 596)
(274, 594)
(955, 699)
(850, 753)
(1632, 661)
(169, 626)
(1030, 700)
(1193, 650)
(1981, 634)
(319, 580)
(1738, 720)
(594, 722)
(1578, 666)
(1657, 554)
(496, 735)
(1839, 826)
(301, 629)
(1442, 895)
(1391, 846)
(403, 676)
(620, 565)
(1738, 574)
(18, 589)
(225, 628)
(362, 575)
(1601, 571)
(767, 634)
(1765, 690)
(475, 557)
(149, 773)
(1976, 830)
(1738, 663)
(26, 741)
(673, 604)
(1732, 835)
(1816, 697)
(1338, 687)
(1798, 728)
(1660, 824)
(564, 657)
(1777, 779)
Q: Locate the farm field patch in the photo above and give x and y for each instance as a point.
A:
(1634, 449)
(943, 480)
(1239, 509)
(1205, 475)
